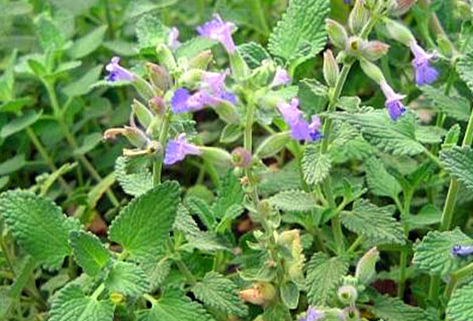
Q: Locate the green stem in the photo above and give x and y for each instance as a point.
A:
(72, 142)
(402, 274)
(355, 244)
(456, 276)
(163, 136)
(259, 9)
(6, 252)
(98, 291)
(433, 288)
(248, 145)
(187, 273)
(404, 254)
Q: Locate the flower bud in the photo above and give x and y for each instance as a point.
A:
(359, 17)
(330, 69)
(157, 105)
(350, 314)
(144, 115)
(354, 45)
(241, 157)
(202, 60)
(259, 294)
(371, 70)
(117, 298)
(403, 6)
(238, 65)
(135, 136)
(158, 76)
(165, 57)
(191, 78)
(399, 32)
(337, 33)
(347, 294)
(366, 267)
(374, 50)
(272, 145)
(144, 89)
(216, 155)
(264, 208)
(263, 75)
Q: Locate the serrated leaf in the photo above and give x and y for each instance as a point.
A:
(393, 309)
(324, 274)
(38, 225)
(293, 201)
(300, 34)
(20, 123)
(157, 270)
(453, 105)
(71, 303)
(87, 44)
(434, 254)
(459, 163)
(144, 224)
(253, 54)
(151, 32)
(128, 279)
(397, 138)
(460, 306)
(430, 134)
(136, 183)
(374, 223)
(220, 293)
(380, 182)
(74, 7)
(174, 308)
(465, 69)
(203, 211)
(229, 193)
(315, 165)
(89, 252)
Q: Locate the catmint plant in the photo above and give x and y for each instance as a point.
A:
(218, 169)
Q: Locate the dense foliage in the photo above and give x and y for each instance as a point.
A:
(211, 160)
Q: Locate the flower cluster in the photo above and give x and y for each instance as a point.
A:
(300, 128)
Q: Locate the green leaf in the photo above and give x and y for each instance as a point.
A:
(136, 183)
(89, 252)
(459, 163)
(38, 225)
(87, 44)
(22, 277)
(300, 34)
(453, 105)
(193, 47)
(315, 165)
(231, 133)
(18, 124)
(374, 223)
(324, 274)
(71, 303)
(460, 306)
(144, 224)
(393, 309)
(139, 7)
(151, 32)
(430, 134)
(83, 85)
(220, 293)
(229, 193)
(293, 201)
(49, 35)
(157, 270)
(203, 211)
(290, 294)
(174, 308)
(128, 279)
(397, 138)
(434, 254)
(253, 54)
(13, 164)
(74, 7)
(90, 142)
(380, 182)
(465, 69)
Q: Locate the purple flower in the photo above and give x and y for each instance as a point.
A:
(173, 37)
(183, 101)
(219, 30)
(117, 72)
(179, 100)
(177, 149)
(312, 314)
(214, 82)
(300, 128)
(280, 78)
(424, 73)
(347, 1)
(393, 101)
(462, 250)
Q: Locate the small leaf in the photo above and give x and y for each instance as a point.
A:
(315, 165)
(87, 44)
(231, 133)
(374, 223)
(83, 85)
(459, 163)
(205, 214)
(434, 254)
(151, 32)
(293, 201)
(465, 69)
(324, 274)
(71, 303)
(220, 293)
(290, 294)
(135, 183)
(13, 164)
(90, 142)
(453, 105)
(393, 309)
(301, 31)
(229, 193)
(380, 182)
(89, 252)
(18, 124)
(460, 306)
(144, 224)
(128, 279)
(38, 225)
(253, 54)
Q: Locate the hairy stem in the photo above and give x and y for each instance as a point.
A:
(163, 137)
(187, 273)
